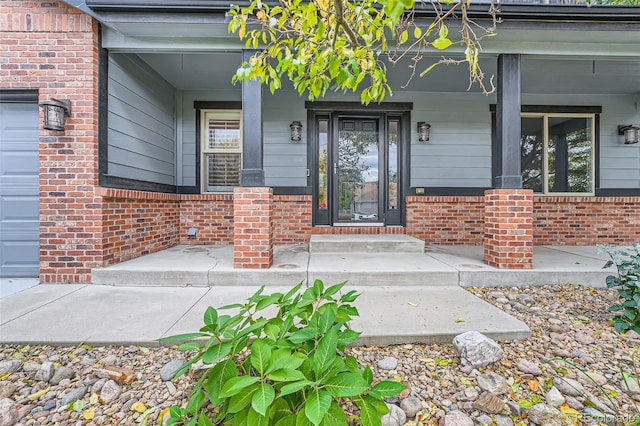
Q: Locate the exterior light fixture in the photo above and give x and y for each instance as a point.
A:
(631, 133)
(423, 131)
(296, 131)
(55, 111)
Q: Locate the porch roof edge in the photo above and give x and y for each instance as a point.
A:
(544, 12)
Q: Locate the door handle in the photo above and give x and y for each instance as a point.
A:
(335, 168)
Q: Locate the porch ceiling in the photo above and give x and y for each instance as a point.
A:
(213, 71)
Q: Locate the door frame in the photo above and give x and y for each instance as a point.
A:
(399, 111)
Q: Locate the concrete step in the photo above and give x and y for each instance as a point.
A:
(389, 243)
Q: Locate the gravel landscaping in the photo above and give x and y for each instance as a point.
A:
(537, 381)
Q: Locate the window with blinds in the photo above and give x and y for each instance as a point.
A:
(221, 149)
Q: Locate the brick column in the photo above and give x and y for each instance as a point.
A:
(252, 228)
(508, 229)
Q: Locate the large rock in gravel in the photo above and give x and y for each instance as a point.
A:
(9, 366)
(388, 363)
(554, 397)
(494, 383)
(9, 412)
(45, 372)
(529, 367)
(7, 389)
(395, 416)
(476, 349)
(72, 396)
(110, 391)
(411, 406)
(568, 386)
(456, 418)
(542, 414)
(61, 374)
(169, 370)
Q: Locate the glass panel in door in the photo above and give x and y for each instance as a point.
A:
(357, 177)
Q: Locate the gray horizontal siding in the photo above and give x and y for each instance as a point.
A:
(141, 121)
(285, 162)
(458, 153)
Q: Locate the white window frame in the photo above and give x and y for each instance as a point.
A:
(545, 151)
(218, 114)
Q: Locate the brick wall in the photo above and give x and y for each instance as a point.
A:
(446, 220)
(586, 220)
(135, 223)
(211, 214)
(252, 227)
(291, 219)
(51, 47)
(508, 229)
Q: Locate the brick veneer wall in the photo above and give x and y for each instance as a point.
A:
(508, 229)
(586, 220)
(48, 46)
(291, 219)
(211, 214)
(446, 220)
(135, 223)
(252, 227)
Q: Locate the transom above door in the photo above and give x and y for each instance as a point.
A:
(356, 168)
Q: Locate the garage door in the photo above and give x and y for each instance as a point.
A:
(19, 186)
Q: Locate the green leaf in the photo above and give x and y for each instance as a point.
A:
(294, 387)
(256, 419)
(330, 291)
(302, 420)
(179, 337)
(286, 375)
(260, 355)
(441, 43)
(346, 384)
(282, 358)
(350, 296)
(216, 352)
(367, 374)
(241, 400)
(386, 389)
(325, 352)
(317, 405)
(368, 414)
(303, 335)
(237, 384)
(190, 346)
(327, 318)
(404, 36)
(218, 376)
(262, 398)
(268, 301)
(210, 316)
(280, 410)
(444, 31)
(335, 416)
(417, 32)
(348, 336)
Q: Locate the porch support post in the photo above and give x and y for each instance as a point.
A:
(252, 173)
(508, 209)
(506, 144)
(252, 227)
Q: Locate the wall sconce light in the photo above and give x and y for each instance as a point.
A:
(423, 131)
(296, 131)
(631, 133)
(55, 111)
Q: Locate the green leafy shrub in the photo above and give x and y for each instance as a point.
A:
(627, 283)
(286, 369)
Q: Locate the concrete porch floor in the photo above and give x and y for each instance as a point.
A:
(206, 266)
(408, 297)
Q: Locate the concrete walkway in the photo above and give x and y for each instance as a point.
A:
(391, 310)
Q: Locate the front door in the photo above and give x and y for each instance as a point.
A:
(357, 179)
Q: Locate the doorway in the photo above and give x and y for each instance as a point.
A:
(358, 168)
